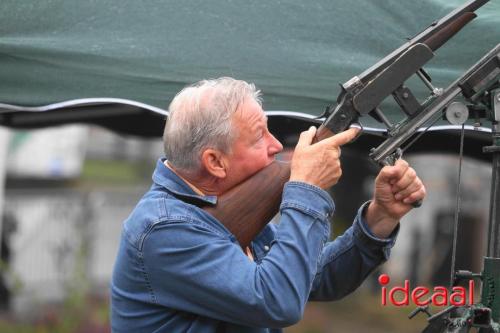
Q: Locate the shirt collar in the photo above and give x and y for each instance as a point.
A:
(166, 178)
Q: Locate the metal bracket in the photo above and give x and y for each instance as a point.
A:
(390, 78)
(406, 100)
(495, 105)
(495, 110)
(484, 76)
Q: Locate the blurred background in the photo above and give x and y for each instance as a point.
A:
(68, 189)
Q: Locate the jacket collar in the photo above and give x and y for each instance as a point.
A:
(167, 179)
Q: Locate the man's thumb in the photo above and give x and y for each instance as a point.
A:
(306, 137)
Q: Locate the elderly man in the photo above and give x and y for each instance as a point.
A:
(179, 270)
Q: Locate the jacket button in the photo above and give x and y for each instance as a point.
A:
(266, 248)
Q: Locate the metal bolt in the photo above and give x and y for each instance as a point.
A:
(405, 95)
(437, 91)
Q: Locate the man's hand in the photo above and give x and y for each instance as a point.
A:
(319, 164)
(396, 188)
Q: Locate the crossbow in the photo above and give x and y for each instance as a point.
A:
(474, 95)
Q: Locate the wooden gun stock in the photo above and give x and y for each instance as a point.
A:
(247, 208)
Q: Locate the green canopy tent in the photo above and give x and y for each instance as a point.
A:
(119, 63)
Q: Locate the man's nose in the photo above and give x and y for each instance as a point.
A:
(275, 147)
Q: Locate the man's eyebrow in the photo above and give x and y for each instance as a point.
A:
(261, 121)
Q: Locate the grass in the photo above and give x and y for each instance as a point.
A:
(83, 316)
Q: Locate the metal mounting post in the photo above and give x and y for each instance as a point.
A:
(494, 149)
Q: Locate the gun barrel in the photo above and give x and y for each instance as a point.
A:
(435, 41)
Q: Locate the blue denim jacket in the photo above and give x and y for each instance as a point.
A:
(179, 270)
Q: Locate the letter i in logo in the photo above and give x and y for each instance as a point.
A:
(384, 280)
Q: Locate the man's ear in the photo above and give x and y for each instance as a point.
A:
(214, 162)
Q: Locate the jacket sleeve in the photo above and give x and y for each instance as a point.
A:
(349, 259)
(192, 268)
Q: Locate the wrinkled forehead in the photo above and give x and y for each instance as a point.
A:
(249, 114)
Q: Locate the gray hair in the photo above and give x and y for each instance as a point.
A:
(200, 117)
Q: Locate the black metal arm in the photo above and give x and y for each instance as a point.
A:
(362, 94)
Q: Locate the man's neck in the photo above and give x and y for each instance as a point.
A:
(199, 189)
(248, 250)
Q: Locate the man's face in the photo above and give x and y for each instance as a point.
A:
(254, 147)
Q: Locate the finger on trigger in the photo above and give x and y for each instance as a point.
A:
(344, 137)
(402, 163)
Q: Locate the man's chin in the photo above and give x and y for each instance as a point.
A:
(270, 162)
